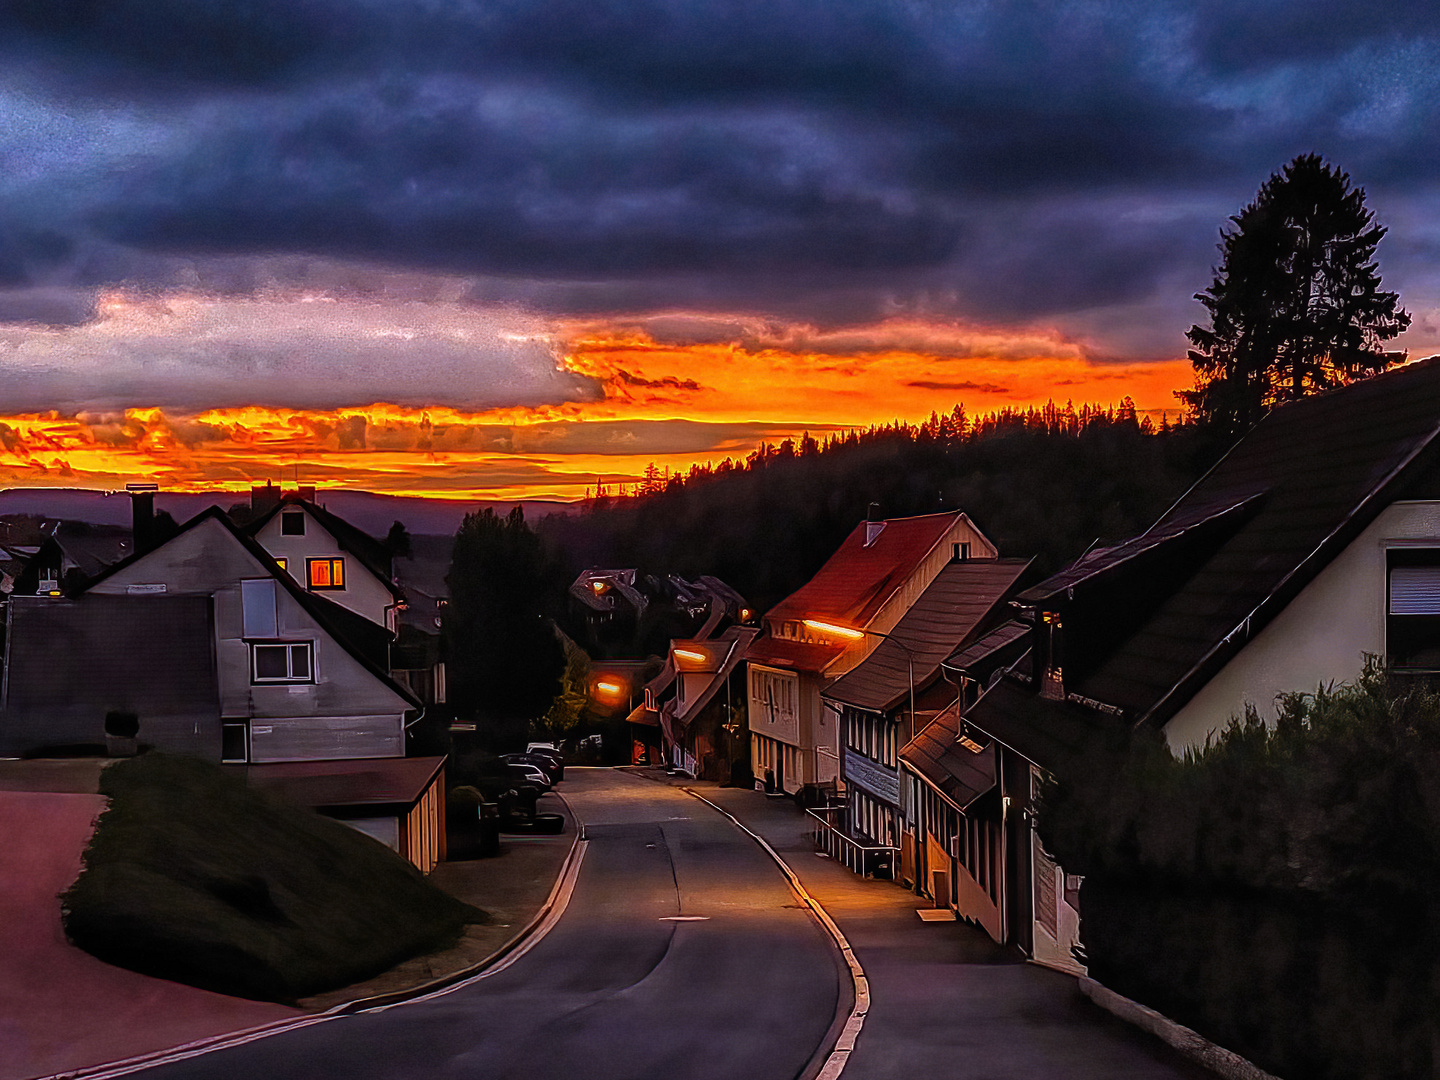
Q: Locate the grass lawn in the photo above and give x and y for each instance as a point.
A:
(192, 876)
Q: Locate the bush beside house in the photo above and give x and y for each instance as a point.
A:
(194, 877)
(1278, 891)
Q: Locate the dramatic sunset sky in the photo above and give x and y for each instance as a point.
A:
(471, 248)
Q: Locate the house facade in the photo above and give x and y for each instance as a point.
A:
(1313, 543)
(862, 591)
(898, 689)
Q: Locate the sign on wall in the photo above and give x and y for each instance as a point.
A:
(879, 781)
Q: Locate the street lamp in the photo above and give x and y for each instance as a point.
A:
(852, 634)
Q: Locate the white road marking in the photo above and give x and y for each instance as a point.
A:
(685, 918)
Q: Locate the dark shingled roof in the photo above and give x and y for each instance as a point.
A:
(1045, 732)
(983, 650)
(147, 653)
(1328, 465)
(957, 773)
(1183, 522)
(955, 606)
(333, 785)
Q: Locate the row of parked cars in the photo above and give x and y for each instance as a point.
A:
(541, 764)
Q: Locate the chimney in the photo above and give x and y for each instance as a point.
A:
(142, 514)
(873, 528)
(263, 498)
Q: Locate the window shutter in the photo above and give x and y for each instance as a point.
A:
(257, 599)
(1415, 590)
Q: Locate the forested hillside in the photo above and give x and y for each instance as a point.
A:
(1046, 482)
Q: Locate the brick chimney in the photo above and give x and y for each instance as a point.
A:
(142, 514)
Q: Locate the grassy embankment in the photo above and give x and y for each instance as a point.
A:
(192, 876)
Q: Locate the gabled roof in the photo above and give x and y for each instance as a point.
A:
(1206, 519)
(724, 654)
(614, 582)
(354, 633)
(795, 655)
(1047, 733)
(368, 551)
(856, 581)
(957, 773)
(1328, 465)
(953, 608)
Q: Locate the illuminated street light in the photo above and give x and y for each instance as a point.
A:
(853, 634)
(848, 632)
(690, 654)
(607, 687)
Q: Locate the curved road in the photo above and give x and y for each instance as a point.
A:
(744, 988)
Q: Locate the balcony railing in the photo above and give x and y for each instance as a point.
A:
(864, 858)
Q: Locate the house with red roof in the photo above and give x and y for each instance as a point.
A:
(831, 624)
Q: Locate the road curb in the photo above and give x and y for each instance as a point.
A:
(831, 1064)
(564, 883)
(1192, 1044)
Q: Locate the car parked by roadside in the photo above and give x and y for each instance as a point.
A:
(553, 772)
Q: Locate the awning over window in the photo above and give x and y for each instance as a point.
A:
(1415, 590)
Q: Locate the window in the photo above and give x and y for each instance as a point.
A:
(283, 564)
(282, 662)
(257, 601)
(1412, 610)
(326, 573)
(292, 523)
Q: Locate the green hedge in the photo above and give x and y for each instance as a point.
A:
(194, 877)
(1277, 891)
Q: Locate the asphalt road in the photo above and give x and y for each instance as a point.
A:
(744, 990)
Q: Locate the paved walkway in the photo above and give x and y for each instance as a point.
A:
(61, 1009)
(945, 1000)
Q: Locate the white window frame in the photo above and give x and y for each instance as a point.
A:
(308, 647)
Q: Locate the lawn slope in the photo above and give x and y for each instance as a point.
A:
(192, 876)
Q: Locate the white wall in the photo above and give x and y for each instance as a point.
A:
(363, 594)
(208, 560)
(1320, 637)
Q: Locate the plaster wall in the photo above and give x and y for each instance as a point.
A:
(1321, 636)
(363, 593)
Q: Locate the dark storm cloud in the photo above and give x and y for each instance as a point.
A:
(806, 158)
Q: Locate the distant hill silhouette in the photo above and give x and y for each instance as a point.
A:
(366, 510)
(1045, 482)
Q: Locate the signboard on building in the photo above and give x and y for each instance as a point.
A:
(873, 777)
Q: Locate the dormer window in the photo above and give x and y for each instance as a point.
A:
(292, 523)
(328, 573)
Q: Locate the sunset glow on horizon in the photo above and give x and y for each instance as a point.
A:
(673, 403)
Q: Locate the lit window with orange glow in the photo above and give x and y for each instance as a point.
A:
(326, 573)
(283, 564)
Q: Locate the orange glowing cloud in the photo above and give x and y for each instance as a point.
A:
(674, 391)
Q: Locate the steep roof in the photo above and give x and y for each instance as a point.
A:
(952, 609)
(354, 633)
(796, 655)
(1045, 732)
(856, 581)
(1326, 467)
(959, 774)
(1001, 645)
(722, 656)
(152, 654)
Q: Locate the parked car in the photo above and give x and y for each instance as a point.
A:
(531, 774)
(553, 752)
(546, 763)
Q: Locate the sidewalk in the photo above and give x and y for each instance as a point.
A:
(945, 999)
(61, 1009)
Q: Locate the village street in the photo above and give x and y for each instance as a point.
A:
(683, 953)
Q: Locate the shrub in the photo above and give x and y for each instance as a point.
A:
(1277, 890)
(194, 877)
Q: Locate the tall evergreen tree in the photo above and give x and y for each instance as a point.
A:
(503, 659)
(1296, 305)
